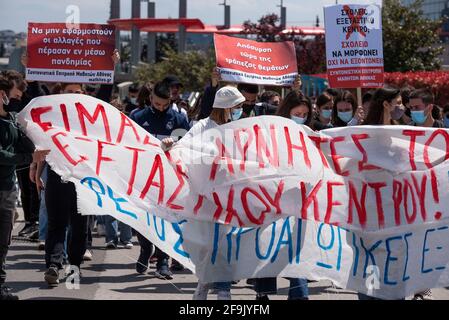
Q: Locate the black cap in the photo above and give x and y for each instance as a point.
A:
(172, 80)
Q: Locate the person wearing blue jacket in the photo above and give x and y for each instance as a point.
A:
(161, 121)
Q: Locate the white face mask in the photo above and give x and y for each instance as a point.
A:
(5, 100)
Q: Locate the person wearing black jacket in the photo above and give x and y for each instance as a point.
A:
(28, 191)
(15, 149)
(208, 98)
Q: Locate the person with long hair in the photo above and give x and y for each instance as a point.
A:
(324, 105)
(297, 107)
(345, 111)
(386, 107)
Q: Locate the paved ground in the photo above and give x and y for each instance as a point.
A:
(111, 275)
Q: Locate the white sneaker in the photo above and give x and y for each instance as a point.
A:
(128, 245)
(224, 295)
(87, 255)
(101, 230)
(201, 291)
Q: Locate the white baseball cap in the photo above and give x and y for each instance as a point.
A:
(228, 97)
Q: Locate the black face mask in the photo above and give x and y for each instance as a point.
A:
(14, 105)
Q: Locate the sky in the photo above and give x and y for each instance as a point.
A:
(16, 14)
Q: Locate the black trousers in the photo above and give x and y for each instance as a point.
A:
(60, 199)
(146, 247)
(7, 209)
(28, 195)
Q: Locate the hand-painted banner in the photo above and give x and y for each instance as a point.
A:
(81, 53)
(354, 46)
(378, 194)
(241, 60)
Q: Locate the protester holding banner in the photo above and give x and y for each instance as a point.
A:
(298, 108)
(160, 120)
(15, 149)
(421, 106)
(61, 201)
(227, 107)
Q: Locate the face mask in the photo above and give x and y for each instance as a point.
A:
(236, 114)
(397, 113)
(326, 114)
(133, 100)
(345, 116)
(5, 100)
(419, 117)
(299, 120)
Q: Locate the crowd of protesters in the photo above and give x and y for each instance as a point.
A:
(49, 203)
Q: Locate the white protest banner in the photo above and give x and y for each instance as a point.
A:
(354, 48)
(367, 196)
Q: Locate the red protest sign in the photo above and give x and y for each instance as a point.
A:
(57, 53)
(264, 63)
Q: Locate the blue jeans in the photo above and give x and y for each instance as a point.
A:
(299, 289)
(113, 226)
(43, 216)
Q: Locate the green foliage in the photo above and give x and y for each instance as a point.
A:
(411, 42)
(193, 68)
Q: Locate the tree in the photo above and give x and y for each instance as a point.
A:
(193, 68)
(310, 53)
(411, 42)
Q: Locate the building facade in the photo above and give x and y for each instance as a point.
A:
(433, 9)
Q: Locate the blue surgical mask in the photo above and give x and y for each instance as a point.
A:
(345, 116)
(299, 120)
(326, 113)
(236, 114)
(133, 100)
(419, 117)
